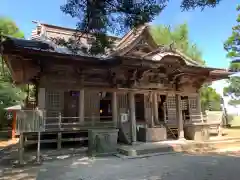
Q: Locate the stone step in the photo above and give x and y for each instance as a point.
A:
(149, 149)
(144, 149)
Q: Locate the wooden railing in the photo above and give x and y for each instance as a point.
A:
(35, 121)
(195, 118)
(30, 121)
(187, 119)
(64, 123)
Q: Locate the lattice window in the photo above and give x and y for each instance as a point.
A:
(53, 103)
(53, 100)
(184, 104)
(193, 104)
(171, 103)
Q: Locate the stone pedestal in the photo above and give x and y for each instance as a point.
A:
(102, 141)
(152, 134)
(197, 132)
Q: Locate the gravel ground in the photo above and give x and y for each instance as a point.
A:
(163, 167)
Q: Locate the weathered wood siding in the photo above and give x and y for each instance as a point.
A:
(92, 105)
(122, 103)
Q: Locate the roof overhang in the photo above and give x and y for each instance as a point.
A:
(39, 52)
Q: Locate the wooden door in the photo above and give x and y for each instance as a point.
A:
(71, 103)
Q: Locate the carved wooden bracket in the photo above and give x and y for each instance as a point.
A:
(199, 82)
(112, 78)
(131, 78)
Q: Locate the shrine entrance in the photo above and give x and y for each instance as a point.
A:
(185, 108)
(105, 107)
(71, 106)
(140, 111)
(161, 108)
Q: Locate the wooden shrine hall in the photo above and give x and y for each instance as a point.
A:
(148, 92)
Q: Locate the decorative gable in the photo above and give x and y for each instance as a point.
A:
(140, 49)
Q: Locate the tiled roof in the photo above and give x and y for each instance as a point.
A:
(44, 32)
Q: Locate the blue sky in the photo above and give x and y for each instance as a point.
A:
(209, 29)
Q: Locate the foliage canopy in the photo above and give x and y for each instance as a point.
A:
(232, 46)
(100, 17)
(9, 94)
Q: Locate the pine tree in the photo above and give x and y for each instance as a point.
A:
(100, 17)
(232, 46)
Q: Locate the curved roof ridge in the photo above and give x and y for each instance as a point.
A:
(187, 58)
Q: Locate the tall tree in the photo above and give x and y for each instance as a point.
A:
(165, 35)
(9, 94)
(232, 46)
(117, 16)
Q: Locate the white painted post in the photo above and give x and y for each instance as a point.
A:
(179, 117)
(81, 106)
(133, 127)
(114, 109)
(38, 147)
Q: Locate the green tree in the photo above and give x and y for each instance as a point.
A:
(179, 35)
(118, 16)
(210, 99)
(9, 94)
(165, 35)
(232, 46)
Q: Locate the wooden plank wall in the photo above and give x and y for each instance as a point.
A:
(122, 103)
(92, 105)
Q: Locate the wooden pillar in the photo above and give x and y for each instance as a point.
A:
(199, 105)
(41, 98)
(14, 123)
(81, 106)
(155, 108)
(133, 126)
(179, 117)
(148, 110)
(114, 108)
